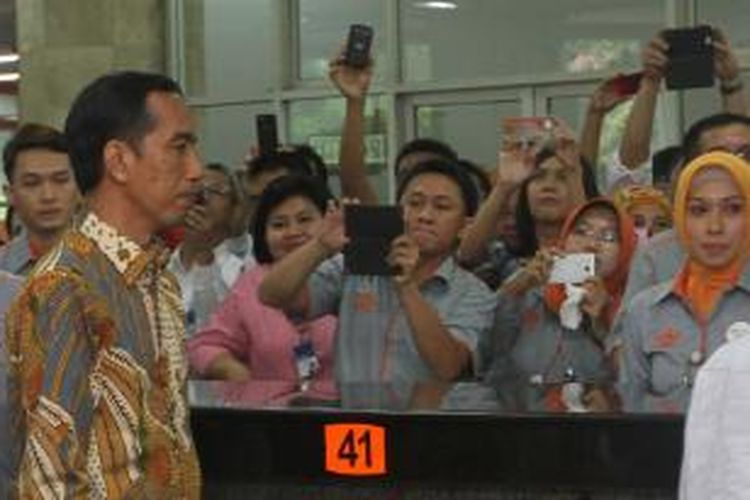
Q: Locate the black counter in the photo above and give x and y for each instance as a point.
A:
(462, 438)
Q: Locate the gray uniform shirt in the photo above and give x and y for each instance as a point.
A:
(659, 333)
(15, 257)
(655, 262)
(9, 287)
(374, 341)
(529, 338)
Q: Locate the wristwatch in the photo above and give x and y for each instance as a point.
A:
(731, 86)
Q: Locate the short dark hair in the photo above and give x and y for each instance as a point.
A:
(292, 161)
(528, 243)
(425, 145)
(278, 191)
(691, 147)
(448, 169)
(31, 136)
(314, 161)
(111, 107)
(478, 177)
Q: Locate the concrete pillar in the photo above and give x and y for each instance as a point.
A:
(64, 44)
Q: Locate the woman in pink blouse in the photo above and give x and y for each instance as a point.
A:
(245, 339)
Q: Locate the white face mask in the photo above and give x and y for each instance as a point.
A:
(643, 235)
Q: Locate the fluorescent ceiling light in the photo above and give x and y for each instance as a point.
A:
(9, 58)
(9, 77)
(434, 4)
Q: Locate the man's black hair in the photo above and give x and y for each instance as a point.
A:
(276, 193)
(31, 136)
(293, 162)
(314, 161)
(111, 107)
(449, 169)
(424, 145)
(691, 143)
(478, 177)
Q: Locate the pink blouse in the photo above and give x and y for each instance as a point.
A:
(260, 336)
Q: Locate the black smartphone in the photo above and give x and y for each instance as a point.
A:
(371, 229)
(267, 133)
(358, 44)
(691, 57)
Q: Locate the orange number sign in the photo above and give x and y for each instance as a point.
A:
(355, 449)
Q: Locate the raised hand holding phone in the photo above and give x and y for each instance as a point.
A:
(371, 230)
(332, 236)
(614, 91)
(691, 57)
(358, 45)
(352, 81)
(403, 258)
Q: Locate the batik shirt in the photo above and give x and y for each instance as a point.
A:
(97, 374)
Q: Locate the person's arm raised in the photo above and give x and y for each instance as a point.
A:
(603, 100)
(731, 86)
(284, 287)
(635, 147)
(353, 84)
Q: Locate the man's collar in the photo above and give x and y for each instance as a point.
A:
(445, 271)
(129, 258)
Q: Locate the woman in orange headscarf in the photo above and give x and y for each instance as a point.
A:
(554, 332)
(648, 207)
(669, 330)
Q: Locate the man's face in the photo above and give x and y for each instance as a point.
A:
(729, 137)
(434, 213)
(164, 175)
(43, 191)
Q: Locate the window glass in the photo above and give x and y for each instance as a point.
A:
(318, 122)
(227, 133)
(471, 129)
(733, 17)
(462, 39)
(324, 25)
(227, 47)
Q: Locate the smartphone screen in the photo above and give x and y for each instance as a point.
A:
(371, 229)
(267, 133)
(358, 46)
(574, 268)
(691, 57)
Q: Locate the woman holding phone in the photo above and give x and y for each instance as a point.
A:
(245, 339)
(553, 332)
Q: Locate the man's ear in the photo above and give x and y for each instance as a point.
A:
(10, 194)
(119, 158)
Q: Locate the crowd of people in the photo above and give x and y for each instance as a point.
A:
(130, 267)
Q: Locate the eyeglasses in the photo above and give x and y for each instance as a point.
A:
(215, 190)
(608, 236)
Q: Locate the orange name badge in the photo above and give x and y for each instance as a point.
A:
(355, 449)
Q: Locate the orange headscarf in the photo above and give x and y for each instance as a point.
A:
(636, 195)
(554, 294)
(699, 285)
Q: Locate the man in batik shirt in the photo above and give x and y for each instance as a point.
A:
(95, 340)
